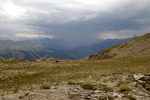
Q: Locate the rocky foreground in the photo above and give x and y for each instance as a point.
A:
(127, 86)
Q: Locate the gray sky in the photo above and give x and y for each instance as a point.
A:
(78, 21)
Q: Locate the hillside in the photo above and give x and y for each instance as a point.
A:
(56, 44)
(27, 50)
(95, 48)
(136, 46)
(59, 46)
(59, 79)
(19, 45)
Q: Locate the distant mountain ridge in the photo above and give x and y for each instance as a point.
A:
(136, 46)
(95, 48)
(56, 44)
(28, 50)
(19, 45)
(82, 51)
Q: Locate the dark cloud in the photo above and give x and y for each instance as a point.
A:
(77, 21)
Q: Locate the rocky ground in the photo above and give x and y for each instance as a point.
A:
(55, 79)
(126, 86)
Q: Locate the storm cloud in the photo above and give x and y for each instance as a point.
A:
(78, 21)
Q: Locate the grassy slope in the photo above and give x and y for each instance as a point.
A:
(24, 73)
(136, 46)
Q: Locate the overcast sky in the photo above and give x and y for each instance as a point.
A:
(78, 21)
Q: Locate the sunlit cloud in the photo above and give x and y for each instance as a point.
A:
(92, 16)
(35, 36)
(13, 10)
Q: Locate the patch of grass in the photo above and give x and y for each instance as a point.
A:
(70, 96)
(8, 61)
(113, 79)
(120, 83)
(136, 85)
(124, 88)
(45, 87)
(88, 86)
(16, 90)
(146, 85)
(36, 72)
(21, 97)
(130, 77)
(105, 81)
(148, 82)
(26, 94)
(31, 88)
(74, 83)
(107, 98)
(105, 88)
(71, 83)
(130, 97)
(1, 94)
(56, 83)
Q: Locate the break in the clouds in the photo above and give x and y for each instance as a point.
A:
(35, 35)
(78, 21)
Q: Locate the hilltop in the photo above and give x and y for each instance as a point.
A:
(136, 46)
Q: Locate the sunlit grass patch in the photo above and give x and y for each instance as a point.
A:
(120, 83)
(8, 61)
(88, 86)
(44, 86)
(105, 88)
(124, 88)
(36, 72)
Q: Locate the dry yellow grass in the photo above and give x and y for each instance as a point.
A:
(24, 73)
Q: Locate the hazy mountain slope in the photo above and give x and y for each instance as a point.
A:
(95, 48)
(28, 55)
(136, 46)
(84, 51)
(56, 44)
(27, 50)
(19, 45)
(79, 52)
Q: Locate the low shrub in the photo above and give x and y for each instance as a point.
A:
(88, 86)
(105, 88)
(45, 87)
(71, 83)
(124, 88)
(120, 83)
(130, 97)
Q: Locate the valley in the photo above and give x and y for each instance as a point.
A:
(124, 76)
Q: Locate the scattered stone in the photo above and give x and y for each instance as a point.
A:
(144, 80)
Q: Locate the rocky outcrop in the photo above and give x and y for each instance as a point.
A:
(144, 80)
(77, 92)
(53, 60)
(70, 92)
